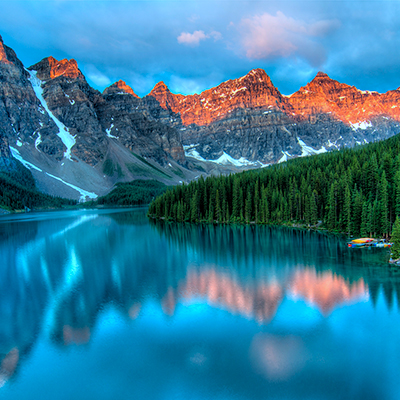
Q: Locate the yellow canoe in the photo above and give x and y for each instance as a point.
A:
(363, 240)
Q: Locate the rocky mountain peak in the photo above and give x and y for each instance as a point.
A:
(322, 75)
(50, 68)
(164, 96)
(3, 55)
(323, 79)
(119, 87)
(257, 75)
(159, 88)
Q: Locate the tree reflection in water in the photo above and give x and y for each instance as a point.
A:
(61, 273)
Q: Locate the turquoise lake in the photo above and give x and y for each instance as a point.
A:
(105, 304)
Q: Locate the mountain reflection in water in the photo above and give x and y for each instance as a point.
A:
(58, 275)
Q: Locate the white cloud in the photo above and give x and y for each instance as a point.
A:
(97, 77)
(269, 36)
(193, 39)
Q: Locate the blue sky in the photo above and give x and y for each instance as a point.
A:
(194, 45)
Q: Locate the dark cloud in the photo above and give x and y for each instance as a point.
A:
(195, 45)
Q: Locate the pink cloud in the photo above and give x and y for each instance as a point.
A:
(270, 36)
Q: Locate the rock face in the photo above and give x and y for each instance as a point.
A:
(22, 118)
(72, 136)
(7, 161)
(91, 117)
(344, 102)
(50, 68)
(63, 129)
(120, 87)
(72, 102)
(138, 125)
(253, 90)
(249, 120)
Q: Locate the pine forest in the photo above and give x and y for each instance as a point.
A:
(354, 191)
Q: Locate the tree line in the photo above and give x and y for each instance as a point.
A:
(356, 191)
(18, 190)
(136, 192)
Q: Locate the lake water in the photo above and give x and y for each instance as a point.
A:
(106, 305)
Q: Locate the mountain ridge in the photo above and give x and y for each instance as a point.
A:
(79, 142)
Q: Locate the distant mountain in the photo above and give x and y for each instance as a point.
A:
(79, 142)
(76, 141)
(250, 120)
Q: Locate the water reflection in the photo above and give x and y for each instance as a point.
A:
(325, 290)
(251, 299)
(57, 276)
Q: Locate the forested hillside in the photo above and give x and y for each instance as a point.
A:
(356, 191)
(18, 190)
(136, 192)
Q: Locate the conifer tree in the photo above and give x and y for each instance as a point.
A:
(236, 202)
(313, 208)
(395, 250)
(364, 221)
(248, 207)
(194, 208)
(347, 210)
(384, 204)
(218, 213)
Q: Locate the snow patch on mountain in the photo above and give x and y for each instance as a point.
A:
(108, 132)
(63, 134)
(360, 125)
(84, 193)
(224, 159)
(38, 141)
(15, 153)
(308, 150)
(283, 158)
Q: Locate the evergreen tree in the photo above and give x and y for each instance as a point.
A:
(313, 208)
(364, 221)
(248, 207)
(395, 250)
(194, 207)
(347, 210)
(383, 204)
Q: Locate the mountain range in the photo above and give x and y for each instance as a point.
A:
(79, 142)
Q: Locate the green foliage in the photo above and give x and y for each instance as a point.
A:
(108, 167)
(133, 193)
(351, 190)
(18, 190)
(143, 160)
(395, 250)
(20, 175)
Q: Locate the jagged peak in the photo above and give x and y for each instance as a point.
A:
(321, 77)
(257, 72)
(3, 55)
(321, 80)
(258, 75)
(118, 87)
(321, 74)
(50, 68)
(160, 86)
(160, 90)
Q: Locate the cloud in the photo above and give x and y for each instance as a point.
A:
(193, 39)
(97, 77)
(269, 36)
